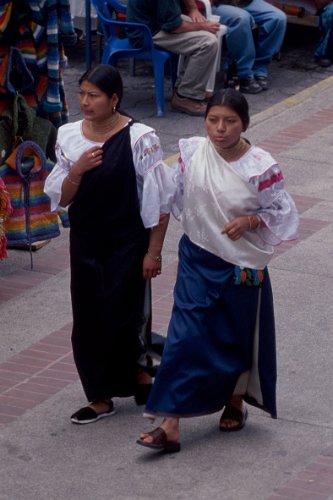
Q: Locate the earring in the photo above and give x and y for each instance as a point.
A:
(114, 109)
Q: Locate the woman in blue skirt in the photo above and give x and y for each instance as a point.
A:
(220, 348)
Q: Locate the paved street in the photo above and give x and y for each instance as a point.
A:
(45, 457)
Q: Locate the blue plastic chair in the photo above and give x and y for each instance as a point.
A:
(117, 46)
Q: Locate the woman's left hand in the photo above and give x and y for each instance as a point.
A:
(151, 269)
(236, 228)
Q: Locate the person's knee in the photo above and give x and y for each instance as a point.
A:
(329, 11)
(209, 41)
(235, 18)
(280, 18)
(329, 7)
(243, 18)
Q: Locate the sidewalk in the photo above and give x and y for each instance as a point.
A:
(44, 457)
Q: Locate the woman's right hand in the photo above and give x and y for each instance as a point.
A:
(89, 160)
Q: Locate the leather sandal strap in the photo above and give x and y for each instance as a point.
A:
(159, 436)
(232, 413)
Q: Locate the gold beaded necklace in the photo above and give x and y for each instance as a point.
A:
(234, 152)
(107, 127)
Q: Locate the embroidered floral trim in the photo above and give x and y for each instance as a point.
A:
(149, 151)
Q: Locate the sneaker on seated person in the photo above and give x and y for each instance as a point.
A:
(249, 86)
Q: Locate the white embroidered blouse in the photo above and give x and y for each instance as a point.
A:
(155, 182)
(214, 192)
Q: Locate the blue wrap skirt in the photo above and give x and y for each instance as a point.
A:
(218, 331)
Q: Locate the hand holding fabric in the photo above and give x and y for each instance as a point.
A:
(236, 228)
(90, 159)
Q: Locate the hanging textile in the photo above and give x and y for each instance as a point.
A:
(39, 29)
(5, 211)
(24, 173)
(27, 156)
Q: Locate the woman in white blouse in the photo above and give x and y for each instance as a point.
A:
(220, 348)
(110, 174)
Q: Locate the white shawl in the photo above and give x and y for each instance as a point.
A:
(214, 194)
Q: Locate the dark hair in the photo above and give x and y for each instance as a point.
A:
(106, 78)
(234, 100)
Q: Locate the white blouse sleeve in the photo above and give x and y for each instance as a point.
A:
(278, 210)
(155, 179)
(55, 179)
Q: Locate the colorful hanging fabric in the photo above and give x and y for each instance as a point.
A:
(39, 29)
(24, 174)
(5, 13)
(5, 211)
(26, 151)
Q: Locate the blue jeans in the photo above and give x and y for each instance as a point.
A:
(252, 57)
(325, 47)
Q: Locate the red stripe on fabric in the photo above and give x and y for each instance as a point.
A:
(272, 180)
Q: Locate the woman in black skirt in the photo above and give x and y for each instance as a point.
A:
(110, 174)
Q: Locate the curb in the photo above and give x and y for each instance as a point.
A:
(289, 102)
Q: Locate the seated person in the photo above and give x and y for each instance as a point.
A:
(252, 57)
(324, 51)
(179, 34)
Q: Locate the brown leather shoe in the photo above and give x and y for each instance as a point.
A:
(160, 441)
(208, 94)
(188, 106)
(235, 415)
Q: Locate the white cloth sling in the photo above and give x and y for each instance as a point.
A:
(214, 194)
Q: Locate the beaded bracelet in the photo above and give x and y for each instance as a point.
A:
(249, 218)
(157, 258)
(71, 181)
